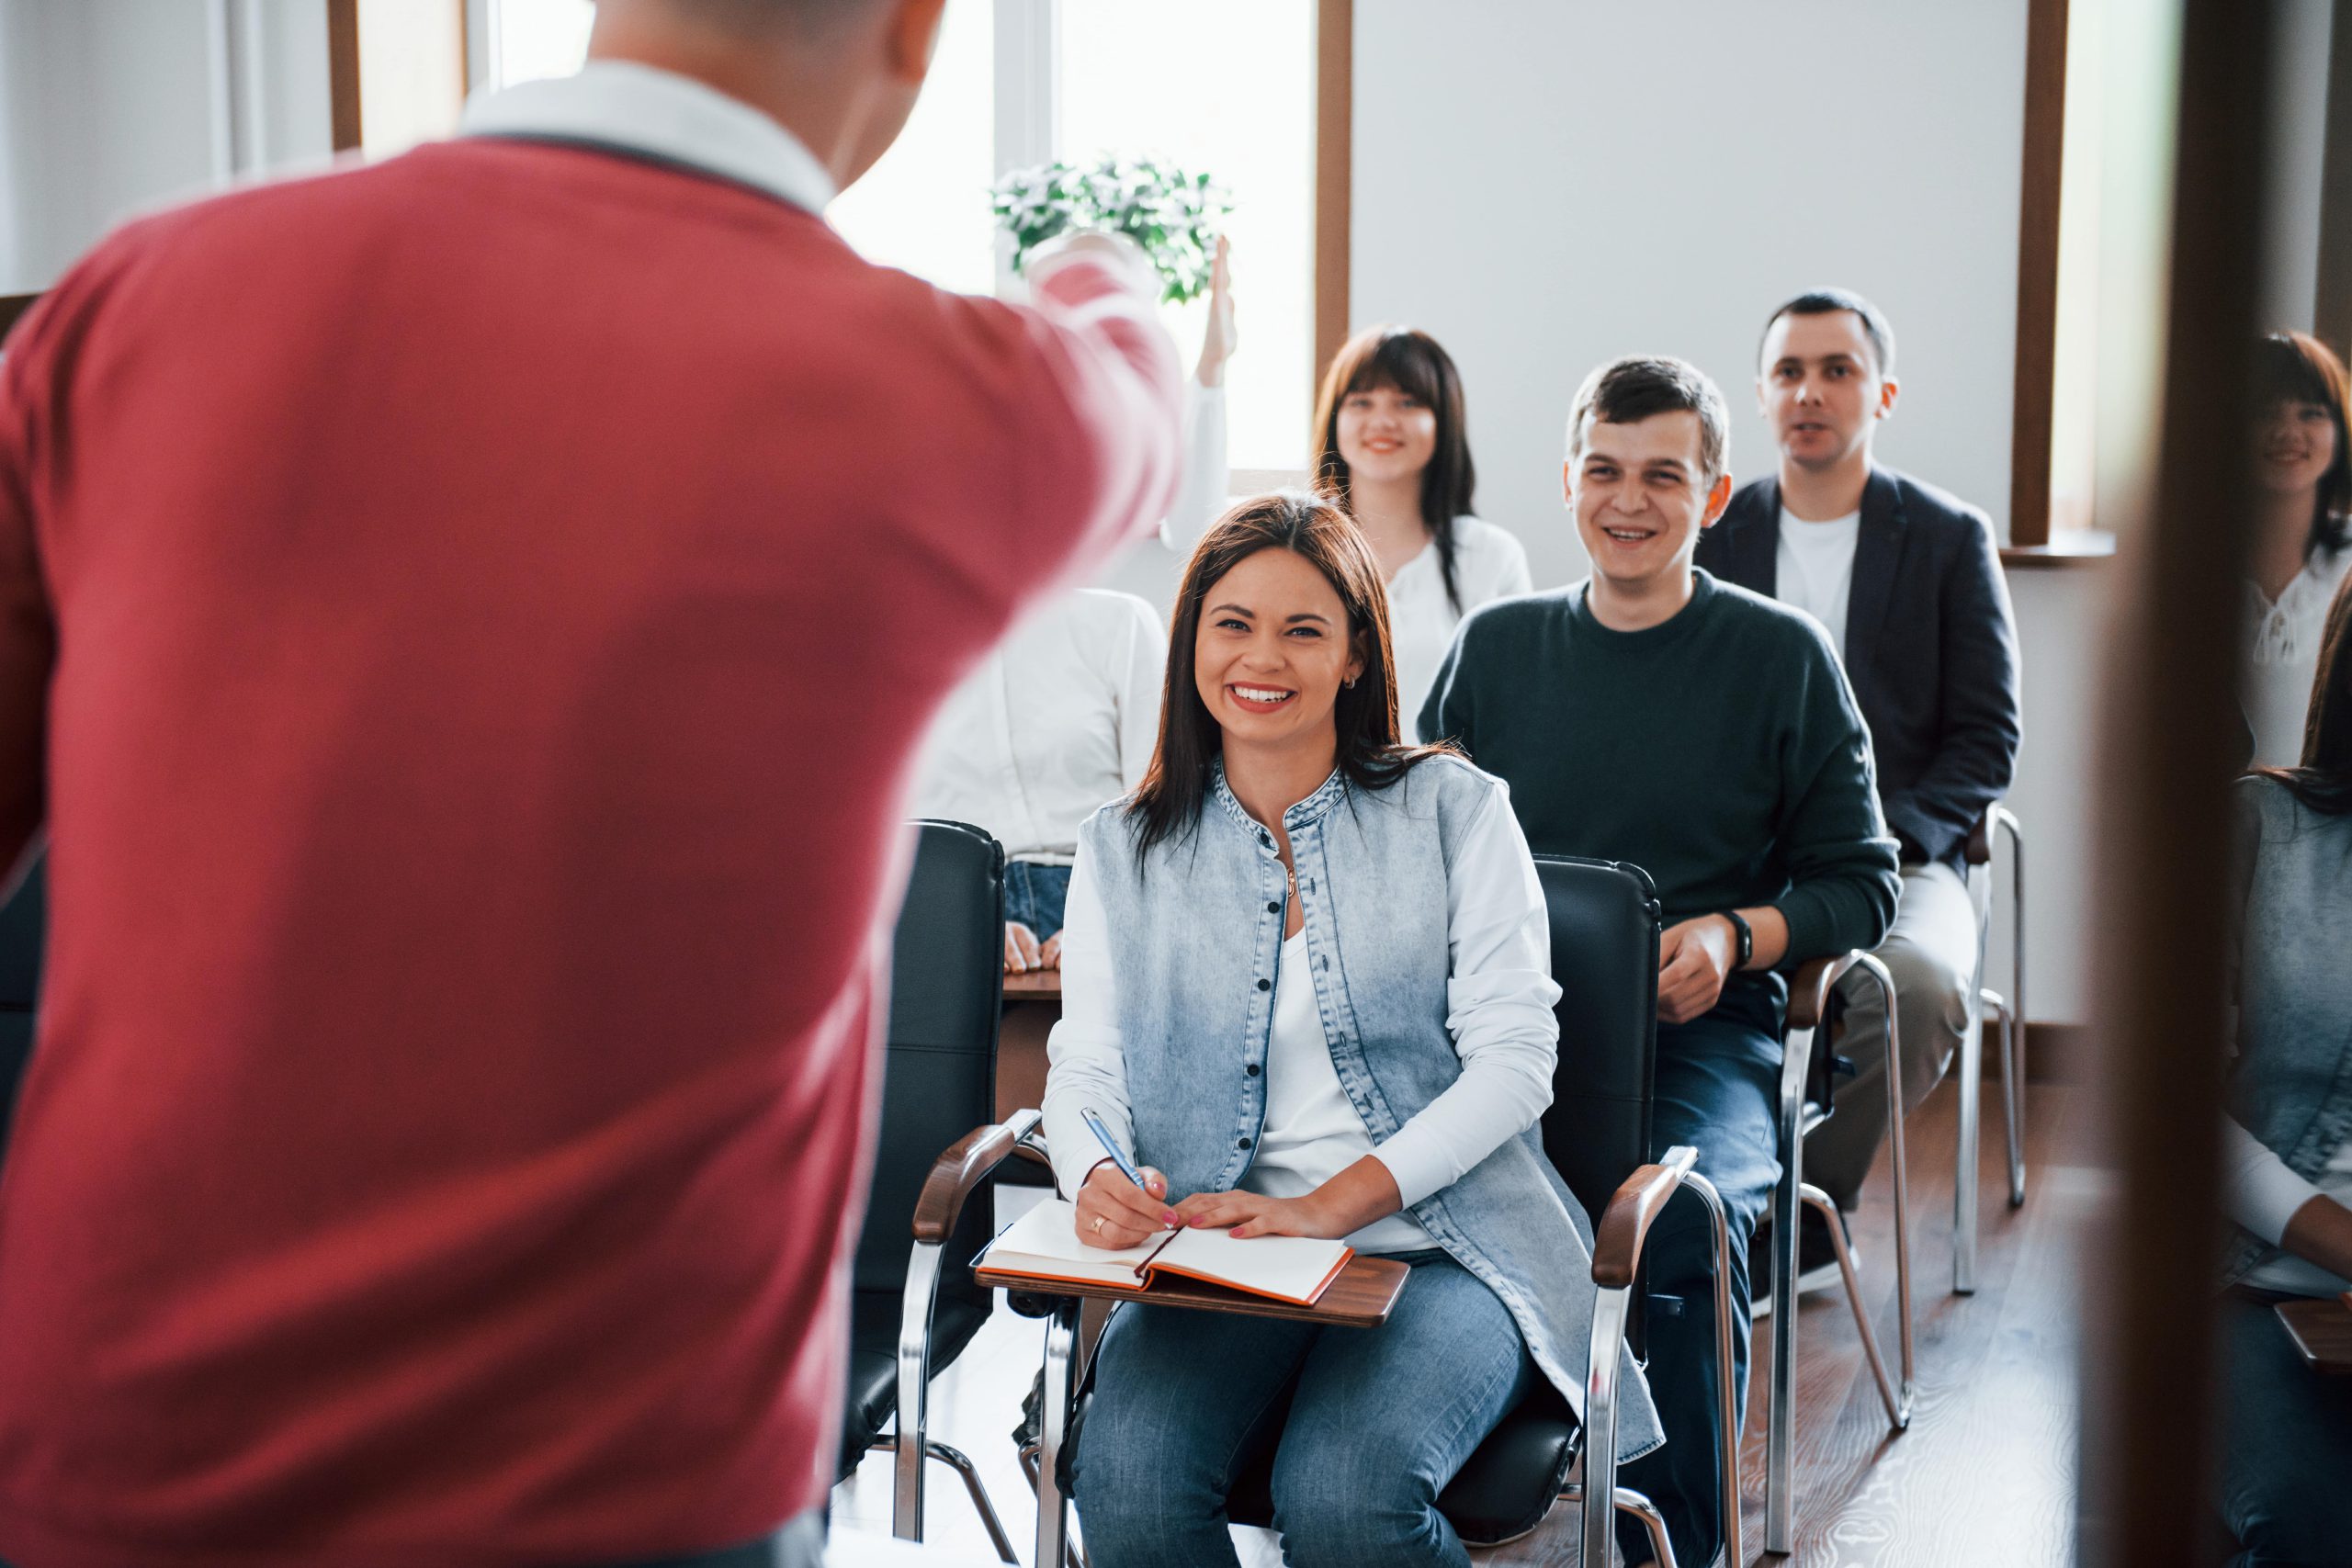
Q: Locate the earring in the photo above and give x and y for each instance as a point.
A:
(1350, 683)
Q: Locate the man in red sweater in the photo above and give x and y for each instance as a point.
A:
(464, 625)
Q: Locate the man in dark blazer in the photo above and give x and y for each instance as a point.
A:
(1907, 582)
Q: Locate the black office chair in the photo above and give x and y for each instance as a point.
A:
(1605, 928)
(907, 1321)
(24, 923)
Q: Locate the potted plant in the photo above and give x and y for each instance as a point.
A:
(1170, 214)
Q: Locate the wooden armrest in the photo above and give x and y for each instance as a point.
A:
(1809, 991)
(964, 1165)
(1980, 841)
(1625, 1224)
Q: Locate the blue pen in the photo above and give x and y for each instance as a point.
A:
(1103, 1135)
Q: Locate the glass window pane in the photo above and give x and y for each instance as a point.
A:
(926, 206)
(541, 37)
(1225, 87)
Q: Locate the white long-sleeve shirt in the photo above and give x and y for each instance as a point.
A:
(1499, 1012)
(1061, 718)
(2263, 1195)
(2282, 656)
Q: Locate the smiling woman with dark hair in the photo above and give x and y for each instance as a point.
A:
(2303, 465)
(1305, 980)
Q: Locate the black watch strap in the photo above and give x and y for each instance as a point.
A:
(1747, 939)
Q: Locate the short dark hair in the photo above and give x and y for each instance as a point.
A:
(1628, 390)
(1826, 301)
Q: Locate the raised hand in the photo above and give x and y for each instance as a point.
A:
(1219, 341)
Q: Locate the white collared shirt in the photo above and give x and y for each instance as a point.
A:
(2282, 656)
(644, 111)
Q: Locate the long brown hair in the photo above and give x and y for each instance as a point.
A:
(1168, 802)
(2296, 368)
(2323, 780)
(1412, 363)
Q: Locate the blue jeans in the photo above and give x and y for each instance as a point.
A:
(1718, 1078)
(1035, 896)
(2284, 1472)
(1378, 1420)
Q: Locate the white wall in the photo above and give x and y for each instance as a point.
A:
(2299, 105)
(109, 108)
(1546, 183)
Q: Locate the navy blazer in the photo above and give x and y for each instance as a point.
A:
(1931, 648)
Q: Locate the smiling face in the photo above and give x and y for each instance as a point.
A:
(1641, 495)
(1820, 387)
(1272, 648)
(1385, 433)
(2295, 446)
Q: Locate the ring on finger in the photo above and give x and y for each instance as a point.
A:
(1098, 1222)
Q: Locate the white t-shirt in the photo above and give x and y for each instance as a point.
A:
(1059, 719)
(2282, 656)
(1488, 563)
(1815, 569)
(1311, 1132)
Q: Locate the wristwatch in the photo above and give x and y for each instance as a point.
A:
(1747, 939)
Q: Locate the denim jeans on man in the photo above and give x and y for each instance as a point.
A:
(1036, 895)
(1716, 1081)
(1373, 1423)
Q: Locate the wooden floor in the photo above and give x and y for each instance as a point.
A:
(1985, 1474)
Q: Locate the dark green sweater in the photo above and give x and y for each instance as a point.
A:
(1722, 752)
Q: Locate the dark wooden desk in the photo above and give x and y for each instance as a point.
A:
(1361, 1297)
(2322, 1331)
(1037, 986)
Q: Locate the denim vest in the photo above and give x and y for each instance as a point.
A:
(1197, 937)
(2292, 1088)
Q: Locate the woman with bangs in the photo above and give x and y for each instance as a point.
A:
(2302, 548)
(1307, 987)
(1393, 447)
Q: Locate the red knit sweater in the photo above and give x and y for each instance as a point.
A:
(475, 614)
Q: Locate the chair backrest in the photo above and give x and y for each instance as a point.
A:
(1605, 929)
(939, 1074)
(24, 925)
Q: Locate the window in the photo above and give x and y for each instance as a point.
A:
(1221, 86)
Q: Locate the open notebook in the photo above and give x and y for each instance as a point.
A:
(1042, 1244)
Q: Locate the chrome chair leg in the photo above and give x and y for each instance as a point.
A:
(1780, 1432)
(1726, 1396)
(1629, 1501)
(2012, 1098)
(1900, 1417)
(1965, 1154)
(1610, 1308)
(957, 1461)
(2013, 1058)
(1053, 1509)
(914, 1390)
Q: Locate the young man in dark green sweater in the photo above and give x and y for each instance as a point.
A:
(1653, 715)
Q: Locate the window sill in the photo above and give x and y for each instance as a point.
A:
(2068, 547)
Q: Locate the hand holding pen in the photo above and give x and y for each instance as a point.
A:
(1121, 1204)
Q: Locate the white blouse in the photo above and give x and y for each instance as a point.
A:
(1500, 1000)
(1059, 718)
(2282, 656)
(1488, 563)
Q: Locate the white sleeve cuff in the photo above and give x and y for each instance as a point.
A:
(2259, 1192)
